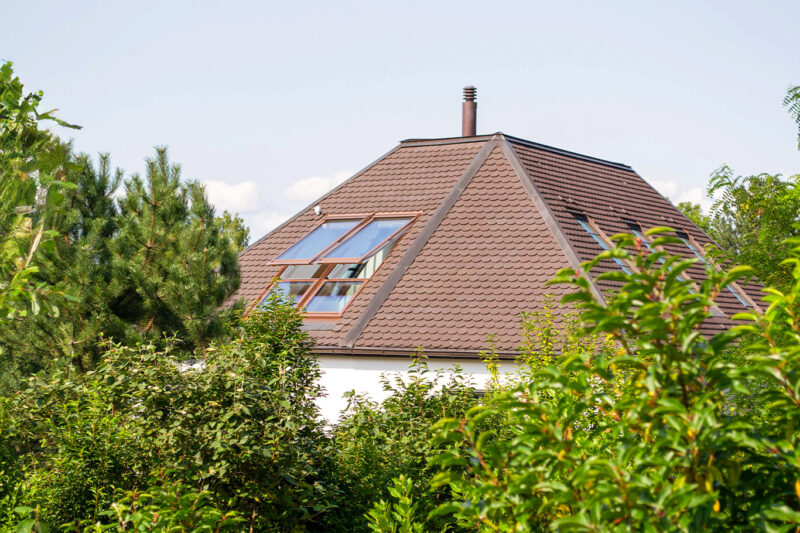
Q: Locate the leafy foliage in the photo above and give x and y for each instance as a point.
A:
(27, 181)
(763, 210)
(694, 212)
(398, 517)
(168, 507)
(235, 230)
(642, 438)
(378, 442)
(158, 262)
(792, 103)
(240, 425)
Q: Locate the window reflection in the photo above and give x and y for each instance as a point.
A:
(303, 272)
(293, 290)
(333, 296)
(323, 236)
(368, 238)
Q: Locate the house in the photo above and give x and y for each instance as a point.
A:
(442, 243)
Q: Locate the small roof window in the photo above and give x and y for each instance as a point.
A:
(598, 236)
(333, 296)
(695, 248)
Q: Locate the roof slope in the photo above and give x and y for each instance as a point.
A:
(495, 225)
(488, 261)
(610, 194)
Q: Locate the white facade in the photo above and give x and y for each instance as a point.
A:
(362, 373)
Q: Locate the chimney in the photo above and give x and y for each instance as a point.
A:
(468, 112)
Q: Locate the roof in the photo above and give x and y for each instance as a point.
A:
(496, 223)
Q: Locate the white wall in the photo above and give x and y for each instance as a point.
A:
(342, 373)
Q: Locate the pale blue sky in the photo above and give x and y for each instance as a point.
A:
(258, 97)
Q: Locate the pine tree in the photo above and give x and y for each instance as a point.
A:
(172, 265)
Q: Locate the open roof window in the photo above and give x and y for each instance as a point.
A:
(598, 236)
(326, 268)
(320, 238)
(367, 240)
(734, 288)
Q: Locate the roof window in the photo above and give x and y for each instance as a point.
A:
(367, 239)
(325, 269)
(690, 243)
(599, 237)
(318, 240)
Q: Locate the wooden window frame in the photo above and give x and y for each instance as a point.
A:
(360, 218)
(363, 219)
(397, 233)
(333, 314)
(329, 265)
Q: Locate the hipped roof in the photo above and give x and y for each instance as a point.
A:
(496, 224)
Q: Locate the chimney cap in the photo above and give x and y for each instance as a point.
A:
(469, 111)
(470, 93)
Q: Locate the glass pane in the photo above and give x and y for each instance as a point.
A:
(302, 271)
(363, 270)
(294, 290)
(585, 225)
(368, 237)
(316, 241)
(346, 271)
(333, 296)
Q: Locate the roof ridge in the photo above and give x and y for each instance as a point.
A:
(518, 140)
(568, 153)
(546, 213)
(419, 243)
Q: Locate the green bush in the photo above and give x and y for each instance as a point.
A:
(643, 438)
(378, 442)
(240, 425)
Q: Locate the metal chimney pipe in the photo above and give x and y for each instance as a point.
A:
(469, 112)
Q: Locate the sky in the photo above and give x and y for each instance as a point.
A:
(271, 104)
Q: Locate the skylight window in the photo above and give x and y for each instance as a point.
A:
(636, 229)
(690, 243)
(323, 236)
(293, 290)
(326, 268)
(583, 220)
(333, 296)
(367, 239)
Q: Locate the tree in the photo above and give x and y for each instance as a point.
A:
(172, 264)
(80, 263)
(755, 215)
(762, 209)
(27, 183)
(792, 102)
(718, 226)
(235, 230)
(694, 212)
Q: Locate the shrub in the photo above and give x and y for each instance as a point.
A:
(378, 442)
(642, 438)
(240, 426)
